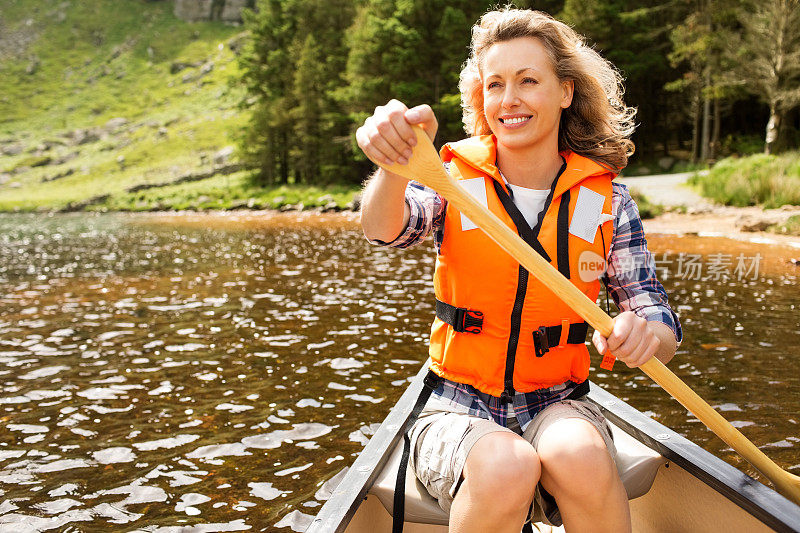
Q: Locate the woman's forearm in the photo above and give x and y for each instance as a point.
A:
(384, 212)
(668, 344)
(387, 137)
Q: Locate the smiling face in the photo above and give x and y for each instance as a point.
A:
(522, 96)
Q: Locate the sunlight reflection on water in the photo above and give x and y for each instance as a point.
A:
(178, 371)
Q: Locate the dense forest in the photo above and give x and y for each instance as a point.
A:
(710, 78)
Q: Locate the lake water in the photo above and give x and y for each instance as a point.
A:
(168, 371)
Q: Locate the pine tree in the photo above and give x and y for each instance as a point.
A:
(411, 50)
(323, 150)
(309, 94)
(268, 67)
(293, 69)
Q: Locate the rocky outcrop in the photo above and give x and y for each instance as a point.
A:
(754, 219)
(232, 10)
(193, 10)
(15, 43)
(80, 206)
(229, 11)
(12, 149)
(222, 170)
(90, 135)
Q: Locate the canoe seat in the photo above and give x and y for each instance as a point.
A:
(637, 464)
(421, 507)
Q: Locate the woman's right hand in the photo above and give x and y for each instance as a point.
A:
(386, 137)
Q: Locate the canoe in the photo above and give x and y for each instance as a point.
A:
(673, 484)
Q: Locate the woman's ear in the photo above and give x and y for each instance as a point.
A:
(567, 89)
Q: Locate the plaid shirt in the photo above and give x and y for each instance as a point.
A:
(630, 279)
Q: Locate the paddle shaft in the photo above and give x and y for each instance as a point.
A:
(425, 167)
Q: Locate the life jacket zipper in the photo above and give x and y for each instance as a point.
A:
(513, 338)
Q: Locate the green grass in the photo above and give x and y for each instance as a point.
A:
(106, 58)
(229, 192)
(766, 180)
(102, 59)
(646, 208)
(790, 227)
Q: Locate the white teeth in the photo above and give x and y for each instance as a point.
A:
(514, 120)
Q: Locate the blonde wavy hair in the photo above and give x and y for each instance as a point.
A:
(597, 124)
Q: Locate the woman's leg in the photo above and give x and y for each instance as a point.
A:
(499, 479)
(578, 471)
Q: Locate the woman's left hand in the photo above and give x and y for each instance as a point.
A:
(631, 340)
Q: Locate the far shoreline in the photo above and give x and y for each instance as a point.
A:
(723, 220)
(716, 221)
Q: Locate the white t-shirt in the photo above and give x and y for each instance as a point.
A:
(530, 202)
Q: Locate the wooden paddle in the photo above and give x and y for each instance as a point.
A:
(425, 167)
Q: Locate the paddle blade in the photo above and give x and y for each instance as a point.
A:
(424, 167)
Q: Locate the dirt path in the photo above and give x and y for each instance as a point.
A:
(688, 212)
(669, 190)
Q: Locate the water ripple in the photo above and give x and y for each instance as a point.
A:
(232, 388)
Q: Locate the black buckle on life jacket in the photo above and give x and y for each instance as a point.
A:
(468, 321)
(506, 397)
(431, 380)
(541, 344)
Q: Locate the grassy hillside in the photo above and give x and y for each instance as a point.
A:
(101, 97)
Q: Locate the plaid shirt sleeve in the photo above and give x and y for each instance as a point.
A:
(427, 210)
(631, 273)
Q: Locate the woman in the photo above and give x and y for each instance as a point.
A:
(506, 436)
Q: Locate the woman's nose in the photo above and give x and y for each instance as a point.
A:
(510, 97)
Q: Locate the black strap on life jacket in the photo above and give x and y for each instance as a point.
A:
(462, 319)
(547, 337)
(430, 383)
(562, 235)
(528, 234)
(580, 391)
(513, 336)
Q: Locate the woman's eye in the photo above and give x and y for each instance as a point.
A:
(529, 80)
(493, 84)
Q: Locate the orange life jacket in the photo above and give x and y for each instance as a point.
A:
(473, 272)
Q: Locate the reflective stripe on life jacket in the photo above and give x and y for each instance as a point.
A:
(475, 273)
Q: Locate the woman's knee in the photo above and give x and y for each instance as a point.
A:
(503, 464)
(574, 457)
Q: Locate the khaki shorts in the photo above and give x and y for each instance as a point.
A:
(441, 441)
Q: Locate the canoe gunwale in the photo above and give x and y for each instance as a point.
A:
(751, 495)
(340, 508)
(757, 499)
